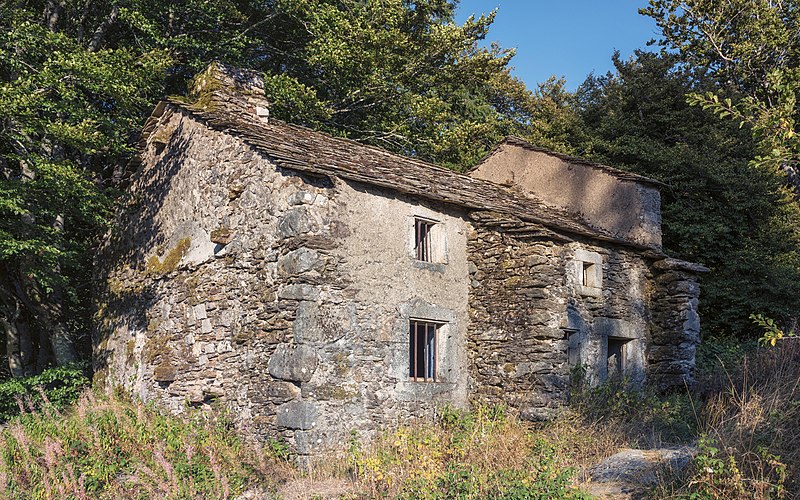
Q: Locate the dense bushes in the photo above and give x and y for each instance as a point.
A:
(61, 386)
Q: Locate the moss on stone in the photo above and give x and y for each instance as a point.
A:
(335, 391)
(156, 347)
(120, 282)
(162, 135)
(157, 267)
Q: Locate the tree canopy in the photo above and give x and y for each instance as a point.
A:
(718, 210)
(78, 79)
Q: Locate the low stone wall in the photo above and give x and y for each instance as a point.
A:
(676, 325)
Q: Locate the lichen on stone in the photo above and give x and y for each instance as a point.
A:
(221, 235)
(157, 267)
(156, 347)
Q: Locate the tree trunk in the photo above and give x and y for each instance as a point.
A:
(100, 32)
(13, 344)
(51, 324)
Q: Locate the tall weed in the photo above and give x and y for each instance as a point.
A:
(111, 447)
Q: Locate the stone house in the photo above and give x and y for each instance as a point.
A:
(315, 285)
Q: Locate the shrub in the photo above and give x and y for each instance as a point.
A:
(750, 447)
(644, 418)
(113, 447)
(59, 387)
(466, 454)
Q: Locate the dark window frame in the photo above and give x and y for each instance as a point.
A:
(423, 335)
(423, 242)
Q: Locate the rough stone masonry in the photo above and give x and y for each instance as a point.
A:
(316, 286)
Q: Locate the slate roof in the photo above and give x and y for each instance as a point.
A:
(302, 149)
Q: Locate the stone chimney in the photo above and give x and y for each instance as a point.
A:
(222, 85)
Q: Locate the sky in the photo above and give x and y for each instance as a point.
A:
(568, 38)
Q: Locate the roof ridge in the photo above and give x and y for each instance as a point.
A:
(575, 160)
(301, 148)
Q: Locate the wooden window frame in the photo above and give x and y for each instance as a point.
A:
(423, 241)
(429, 331)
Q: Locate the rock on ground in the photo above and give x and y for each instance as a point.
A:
(630, 473)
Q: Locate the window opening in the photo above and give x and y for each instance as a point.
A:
(422, 239)
(422, 350)
(616, 358)
(588, 274)
(573, 347)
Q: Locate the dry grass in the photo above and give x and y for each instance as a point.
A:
(746, 423)
(752, 428)
(483, 453)
(114, 448)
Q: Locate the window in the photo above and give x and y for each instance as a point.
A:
(589, 277)
(589, 267)
(423, 244)
(423, 336)
(588, 274)
(573, 347)
(616, 358)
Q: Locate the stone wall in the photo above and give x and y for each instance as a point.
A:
(528, 310)
(628, 209)
(676, 325)
(285, 297)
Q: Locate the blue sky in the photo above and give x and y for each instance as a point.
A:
(569, 38)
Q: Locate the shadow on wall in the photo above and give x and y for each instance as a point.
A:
(123, 282)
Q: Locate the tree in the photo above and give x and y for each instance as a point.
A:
(751, 50)
(77, 80)
(718, 210)
(397, 74)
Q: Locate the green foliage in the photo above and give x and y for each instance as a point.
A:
(772, 332)
(470, 454)
(718, 474)
(717, 210)
(719, 355)
(76, 82)
(647, 416)
(56, 387)
(106, 447)
(746, 55)
(400, 75)
(750, 48)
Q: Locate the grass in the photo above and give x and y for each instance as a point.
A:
(111, 447)
(749, 429)
(744, 423)
(477, 454)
